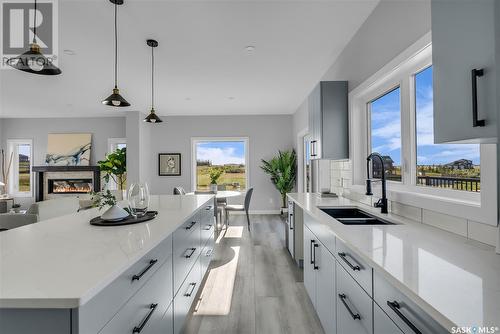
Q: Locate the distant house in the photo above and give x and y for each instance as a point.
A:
(377, 168)
(461, 164)
(23, 158)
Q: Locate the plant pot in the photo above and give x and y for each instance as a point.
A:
(115, 213)
(284, 211)
(213, 188)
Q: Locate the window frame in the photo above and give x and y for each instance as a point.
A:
(196, 140)
(402, 69)
(14, 171)
(114, 142)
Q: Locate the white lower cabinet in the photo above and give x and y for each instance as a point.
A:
(382, 324)
(185, 297)
(354, 306)
(320, 281)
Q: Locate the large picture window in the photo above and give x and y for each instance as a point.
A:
(385, 120)
(227, 155)
(451, 166)
(20, 179)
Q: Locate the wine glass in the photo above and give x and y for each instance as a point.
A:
(138, 199)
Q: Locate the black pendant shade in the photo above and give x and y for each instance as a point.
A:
(115, 99)
(33, 61)
(152, 117)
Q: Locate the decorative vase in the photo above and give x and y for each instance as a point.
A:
(138, 199)
(115, 213)
(213, 188)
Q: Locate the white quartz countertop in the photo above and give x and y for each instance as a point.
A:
(65, 261)
(453, 279)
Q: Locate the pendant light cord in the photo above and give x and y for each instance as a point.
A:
(152, 78)
(116, 46)
(34, 24)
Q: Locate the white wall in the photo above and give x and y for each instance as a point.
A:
(267, 135)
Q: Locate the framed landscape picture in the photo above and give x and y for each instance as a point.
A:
(169, 164)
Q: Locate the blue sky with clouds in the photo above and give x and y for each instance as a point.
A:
(386, 127)
(221, 152)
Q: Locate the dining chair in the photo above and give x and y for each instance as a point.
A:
(239, 207)
(179, 191)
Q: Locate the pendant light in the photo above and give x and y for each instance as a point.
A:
(152, 117)
(115, 99)
(33, 61)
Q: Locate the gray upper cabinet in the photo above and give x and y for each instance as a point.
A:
(463, 40)
(328, 121)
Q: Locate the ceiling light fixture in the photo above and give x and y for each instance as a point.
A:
(152, 117)
(250, 48)
(115, 99)
(33, 61)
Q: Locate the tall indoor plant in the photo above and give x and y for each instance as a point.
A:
(283, 171)
(115, 167)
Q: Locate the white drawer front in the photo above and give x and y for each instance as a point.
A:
(147, 307)
(357, 268)
(185, 297)
(402, 310)
(354, 306)
(325, 235)
(99, 310)
(206, 257)
(207, 229)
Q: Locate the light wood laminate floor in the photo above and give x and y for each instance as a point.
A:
(252, 285)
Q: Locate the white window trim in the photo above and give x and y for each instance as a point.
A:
(15, 168)
(479, 207)
(195, 140)
(113, 143)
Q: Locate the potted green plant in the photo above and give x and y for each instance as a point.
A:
(114, 168)
(214, 174)
(283, 171)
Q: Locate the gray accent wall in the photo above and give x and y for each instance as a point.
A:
(266, 134)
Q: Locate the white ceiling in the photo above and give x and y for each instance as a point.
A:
(202, 67)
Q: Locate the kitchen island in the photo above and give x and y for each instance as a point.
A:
(66, 276)
(404, 277)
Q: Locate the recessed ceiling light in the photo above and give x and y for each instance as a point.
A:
(231, 98)
(188, 99)
(250, 48)
(69, 52)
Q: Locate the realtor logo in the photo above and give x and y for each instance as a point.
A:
(20, 26)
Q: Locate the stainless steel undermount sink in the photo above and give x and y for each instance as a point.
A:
(354, 216)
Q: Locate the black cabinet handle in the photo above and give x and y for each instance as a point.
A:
(145, 270)
(315, 266)
(208, 208)
(187, 256)
(475, 73)
(353, 267)
(291, 218)
(209, 252)
(395, 307)
(311, 251)
(208, 227)
(188, 294)
(190, 225)
(355, 316)
(313, 148)
(152, 308)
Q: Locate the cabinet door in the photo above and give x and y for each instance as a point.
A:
(309, 272)
(354, 306)
(325, 288)
(382, 324)
(463, 39)
(315, 122)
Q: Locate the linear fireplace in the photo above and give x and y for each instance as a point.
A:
(58, 181)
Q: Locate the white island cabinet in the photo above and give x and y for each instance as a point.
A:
(64, 276)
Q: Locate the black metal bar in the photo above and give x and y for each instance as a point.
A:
(145, 270)
(311, 251)
(395, 307)
(190, 225)
(475, 73)
(315, 266)
(290, 222)
(355, 316)
(191, 254)
(152, 308)
(188, 294)
(353, 267)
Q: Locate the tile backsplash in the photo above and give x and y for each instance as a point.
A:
(341, 182)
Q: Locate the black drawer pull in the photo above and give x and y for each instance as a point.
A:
(475, 73)
(209, 252)
(208, 208)
(188, 294)
(355, 316)
(353, 267)
(190, 225)
(145, 270)
(311, 251)
(208, 227)
(187, 256)
(152, 308)
(315, 266)
(395, 307)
